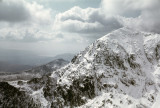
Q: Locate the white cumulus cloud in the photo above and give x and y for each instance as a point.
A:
(86, 21)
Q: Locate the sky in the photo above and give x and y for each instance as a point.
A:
(51, 27)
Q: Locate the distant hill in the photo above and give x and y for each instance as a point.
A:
(34, 72)
(18, 61)
(22, 57)
(65, 56)
(49, 67)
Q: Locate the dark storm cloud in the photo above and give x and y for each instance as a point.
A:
(20, 20)
(12, 11)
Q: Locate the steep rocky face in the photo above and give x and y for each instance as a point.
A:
(120, 70)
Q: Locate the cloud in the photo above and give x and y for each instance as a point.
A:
(28, 34)
(25, 21)
(86, 21)
(127, 8)
(120, 7)
(14, 11)
(30, 21)
(92, 23)
(56, 0)
(150, 17)
(141, 15)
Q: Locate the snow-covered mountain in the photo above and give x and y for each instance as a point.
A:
(119, 70)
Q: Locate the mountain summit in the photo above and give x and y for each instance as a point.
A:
(119, 70)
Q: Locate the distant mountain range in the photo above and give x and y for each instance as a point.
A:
(34, 72)
(12, 61)
(48, 68)
(65, 56)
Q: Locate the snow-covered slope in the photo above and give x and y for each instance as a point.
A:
(119, 70)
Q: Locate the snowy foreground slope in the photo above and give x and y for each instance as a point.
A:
(119, 70)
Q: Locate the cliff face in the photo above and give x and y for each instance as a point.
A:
(120, 70)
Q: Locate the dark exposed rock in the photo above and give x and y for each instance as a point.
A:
(11, 97)
(73, 95)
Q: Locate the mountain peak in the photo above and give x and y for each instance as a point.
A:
(117, 64)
